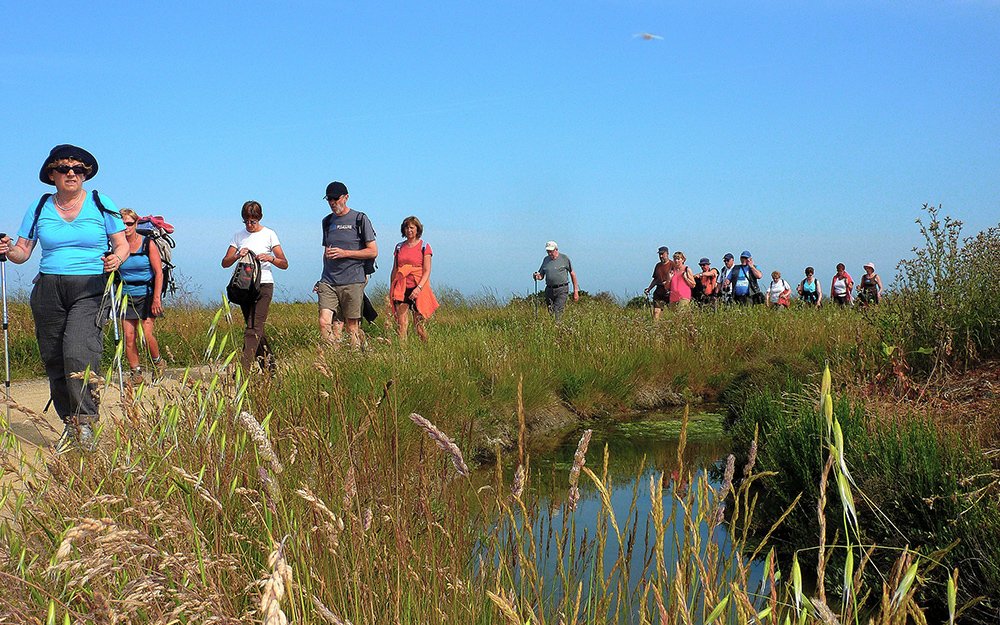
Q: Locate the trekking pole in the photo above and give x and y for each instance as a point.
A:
(534, 300)
(6, 325)
(114, 325)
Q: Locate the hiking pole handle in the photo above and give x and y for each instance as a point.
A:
(3, 257)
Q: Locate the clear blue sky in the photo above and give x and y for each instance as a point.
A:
(808, 132)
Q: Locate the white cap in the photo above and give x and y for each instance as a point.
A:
(551, 245)
(870, 264)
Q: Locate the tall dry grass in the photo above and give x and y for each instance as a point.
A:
(201, 505)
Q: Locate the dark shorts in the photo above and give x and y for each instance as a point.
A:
(407, 295)
(140, 307)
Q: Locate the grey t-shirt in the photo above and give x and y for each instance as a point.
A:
(343, 232)
(556, 272)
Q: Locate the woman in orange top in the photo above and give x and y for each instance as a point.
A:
(409, 285)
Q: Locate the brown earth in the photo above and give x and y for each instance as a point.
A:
(966, 402)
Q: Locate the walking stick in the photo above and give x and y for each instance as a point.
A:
(534, 300)
(6, 325)
(114, 324)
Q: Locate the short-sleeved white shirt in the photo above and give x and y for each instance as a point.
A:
(260, 242)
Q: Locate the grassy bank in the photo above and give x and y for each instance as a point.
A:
(193, 510)
(600, 360)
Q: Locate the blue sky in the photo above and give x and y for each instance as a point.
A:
(810, 133)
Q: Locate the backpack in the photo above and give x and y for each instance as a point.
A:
(244, 285)
(45, 198)
(158, 231)
(369, 264)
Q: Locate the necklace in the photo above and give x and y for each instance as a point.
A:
(69, 205)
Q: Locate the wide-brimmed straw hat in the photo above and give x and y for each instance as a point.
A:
(67, 151)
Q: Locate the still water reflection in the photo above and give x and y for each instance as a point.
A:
(638, 449)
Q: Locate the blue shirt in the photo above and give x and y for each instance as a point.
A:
(136, 271)
(740, 279)
(73, 248)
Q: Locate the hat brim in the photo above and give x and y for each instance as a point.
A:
(66, 151)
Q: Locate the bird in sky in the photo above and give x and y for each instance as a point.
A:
(647, 36)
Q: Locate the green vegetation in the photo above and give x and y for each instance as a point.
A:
(312, 493)
(946, 306)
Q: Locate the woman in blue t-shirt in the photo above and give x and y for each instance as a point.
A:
(142, 274)
(73, 228)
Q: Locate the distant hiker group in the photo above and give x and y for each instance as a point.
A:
(674, 284)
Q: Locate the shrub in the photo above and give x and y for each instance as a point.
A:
(946, 306)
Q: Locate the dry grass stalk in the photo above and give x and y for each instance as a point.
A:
(821, 515)
(332, 524)
(517, 487)
(259, 437)
(751, 457)
(198, 488)
(521, 421)
(33, 416)
(86, 527)
(682, 443)
(443, 442)
(275, 586)
(326, 613)
(579, 459)
(350, 488)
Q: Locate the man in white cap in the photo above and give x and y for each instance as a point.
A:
(558, 271)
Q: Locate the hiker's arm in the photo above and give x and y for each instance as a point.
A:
(652, 285)
(688, 277)
(878, 281)
(370, 250)
(120, 250)
(576, 287)
(231, 255)
(156, 264)
(426, 277)
(757, 273)
(17, 253)
(276, 257)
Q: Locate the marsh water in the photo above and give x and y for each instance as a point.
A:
(639, 447)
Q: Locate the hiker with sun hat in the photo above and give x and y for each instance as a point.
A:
(73, 228)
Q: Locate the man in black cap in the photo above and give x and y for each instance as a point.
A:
(349, 252)
(660, 284)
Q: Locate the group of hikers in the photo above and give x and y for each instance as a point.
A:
(85, 238)
(675, 284)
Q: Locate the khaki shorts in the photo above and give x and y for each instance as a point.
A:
(344, 300)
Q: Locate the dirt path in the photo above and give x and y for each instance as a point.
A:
(34, 394)
(43, 433)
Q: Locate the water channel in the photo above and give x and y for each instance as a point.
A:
(639, 447)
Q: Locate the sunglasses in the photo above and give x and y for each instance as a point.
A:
(76, 169)
(251, 221)
(128, 223)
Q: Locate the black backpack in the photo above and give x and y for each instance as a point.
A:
(244, 286)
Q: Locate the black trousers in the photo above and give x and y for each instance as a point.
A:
(255, 344)
(68, 325)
